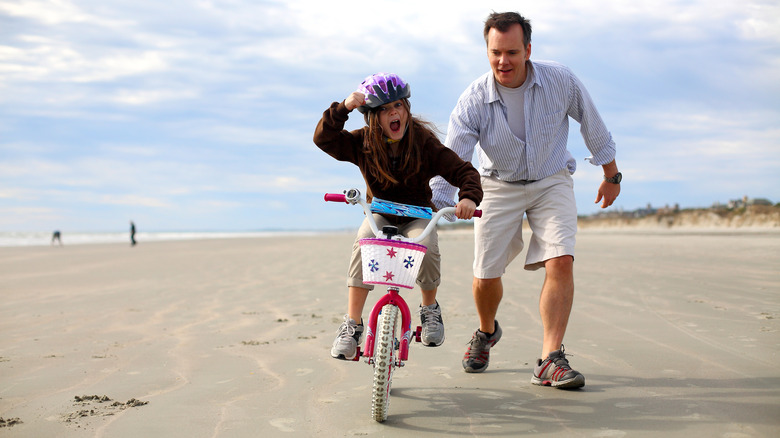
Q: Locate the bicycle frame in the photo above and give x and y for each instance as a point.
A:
(398, 257)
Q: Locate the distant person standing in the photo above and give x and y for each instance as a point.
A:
(132, 233)
(56, 236)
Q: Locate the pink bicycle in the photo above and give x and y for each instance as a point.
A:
(392, 260)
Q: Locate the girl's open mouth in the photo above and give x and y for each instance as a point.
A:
(395, 125)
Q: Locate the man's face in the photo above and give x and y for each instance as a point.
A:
(507, 56)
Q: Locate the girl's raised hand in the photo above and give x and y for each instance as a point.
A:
(355, 100)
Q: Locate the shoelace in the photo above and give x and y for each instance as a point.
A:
(347, 329)
(476, 346)
(430, 317)
(561, 361)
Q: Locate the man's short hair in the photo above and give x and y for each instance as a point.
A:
(502, 21)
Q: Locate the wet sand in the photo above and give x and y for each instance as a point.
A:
(675, 332)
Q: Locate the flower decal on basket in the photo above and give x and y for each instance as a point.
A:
(391, 262)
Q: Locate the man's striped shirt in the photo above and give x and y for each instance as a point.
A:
(479, 121)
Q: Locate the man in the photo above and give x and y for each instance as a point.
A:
(517, 118)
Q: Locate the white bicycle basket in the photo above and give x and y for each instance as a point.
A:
(391, 262)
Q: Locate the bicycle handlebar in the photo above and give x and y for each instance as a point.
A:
(353, 197)
(335, 197)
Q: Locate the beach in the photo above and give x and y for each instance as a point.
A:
(677, 333)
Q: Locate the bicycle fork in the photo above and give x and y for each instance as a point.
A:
(394, 298)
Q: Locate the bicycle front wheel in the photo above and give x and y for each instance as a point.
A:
(384, 361)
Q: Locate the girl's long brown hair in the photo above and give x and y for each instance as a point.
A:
(377, 149)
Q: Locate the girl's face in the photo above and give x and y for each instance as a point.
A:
(393, 118)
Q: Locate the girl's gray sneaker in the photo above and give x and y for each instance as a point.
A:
(345, 345)
(432, 325)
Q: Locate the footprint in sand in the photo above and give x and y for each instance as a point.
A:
(609, 433)
(283, 424)
(442, 371)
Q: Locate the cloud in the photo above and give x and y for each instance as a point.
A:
(145, 97)
(200, 108)
(17, 218)
(50, 12)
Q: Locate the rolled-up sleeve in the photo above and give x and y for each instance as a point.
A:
(594, 131)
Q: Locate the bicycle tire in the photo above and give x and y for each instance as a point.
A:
(384, 361)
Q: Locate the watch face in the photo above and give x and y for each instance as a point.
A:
(617, 178)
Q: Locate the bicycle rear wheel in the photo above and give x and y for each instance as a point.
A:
(384, 361)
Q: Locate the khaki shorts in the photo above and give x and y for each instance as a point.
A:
(428, 278)
(551, 210)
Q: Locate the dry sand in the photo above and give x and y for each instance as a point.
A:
(676, 333)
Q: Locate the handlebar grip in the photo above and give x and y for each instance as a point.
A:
(336, 197)
(477, 213)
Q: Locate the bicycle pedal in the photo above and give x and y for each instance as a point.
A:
(358, 355)
(418, 334)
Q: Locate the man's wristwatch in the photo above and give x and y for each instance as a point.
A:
(615, 179)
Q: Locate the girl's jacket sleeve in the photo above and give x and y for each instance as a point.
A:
(333, 139)
(456, 171)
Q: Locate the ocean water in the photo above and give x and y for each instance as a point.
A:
(81, 238)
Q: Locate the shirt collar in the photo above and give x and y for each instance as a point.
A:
(490, 83)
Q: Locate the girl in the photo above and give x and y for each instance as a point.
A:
(398, 154)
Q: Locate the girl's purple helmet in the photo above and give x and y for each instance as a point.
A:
(382, 88)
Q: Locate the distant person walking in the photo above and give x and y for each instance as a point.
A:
(132, 233)
(56, 236)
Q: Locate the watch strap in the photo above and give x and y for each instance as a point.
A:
(615, 179)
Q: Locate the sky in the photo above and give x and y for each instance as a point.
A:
(198, 115)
